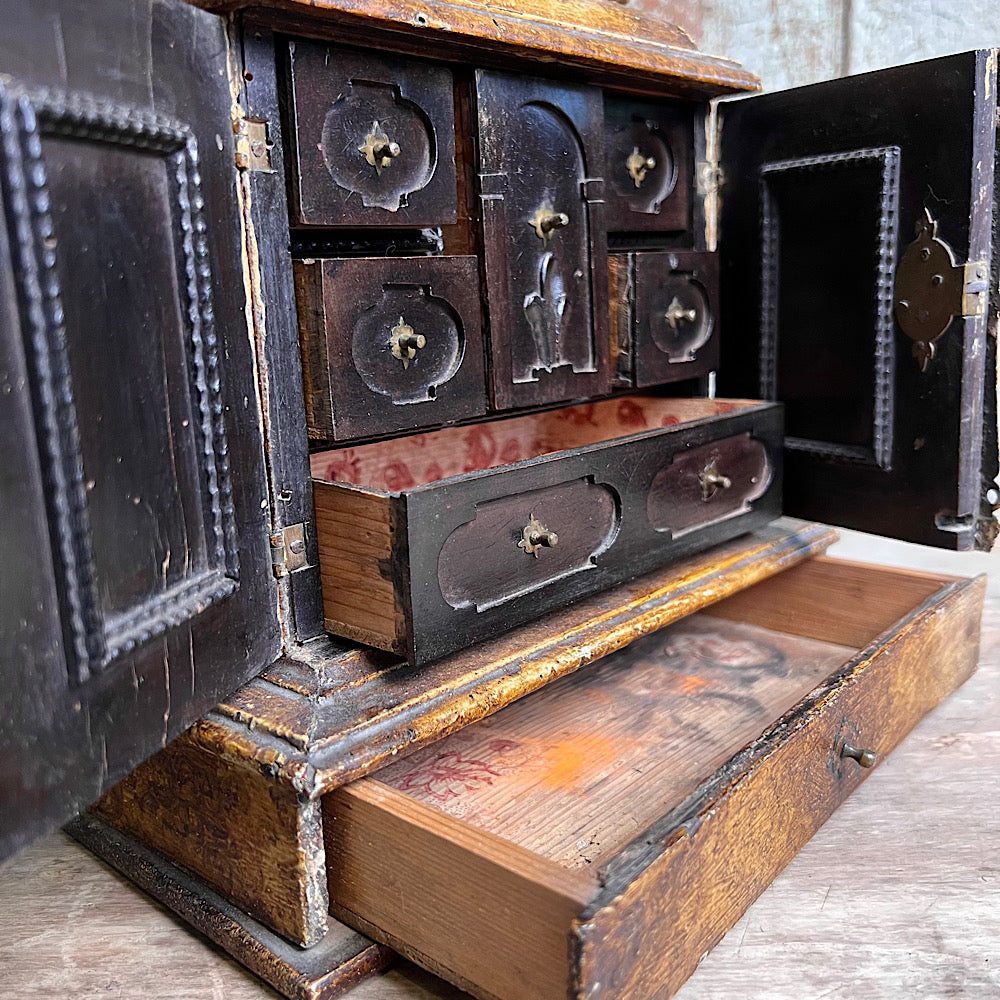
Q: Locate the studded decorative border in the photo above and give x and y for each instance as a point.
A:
(25, 117)
(884, 358)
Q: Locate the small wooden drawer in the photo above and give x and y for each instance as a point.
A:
(540, 151)
(432, 543)
(664, 315)
(649, 165)
(596, 839)
(389, 344)
(374, 139)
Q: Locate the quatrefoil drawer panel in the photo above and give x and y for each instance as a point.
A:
(374, 139)
(664, 315)
(389, 345)
(432, 543)
(649, 165)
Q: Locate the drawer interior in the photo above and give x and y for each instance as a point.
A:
(509, 830)
(418, 460)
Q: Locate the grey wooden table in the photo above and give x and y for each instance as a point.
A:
(897, 897)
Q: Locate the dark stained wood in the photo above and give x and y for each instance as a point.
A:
(454, 544)
(665, 310)
(258, 844)
(276, 331)
(338, 961)
(541, 155)
(709, 483)
(153, 570)
(356, 385)
(623, 47)
(656, 198)
(337, 96)
(521, 805)
(873, 442)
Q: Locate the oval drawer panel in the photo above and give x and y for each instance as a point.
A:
(375, 139)
(708, 484)
(520, 543)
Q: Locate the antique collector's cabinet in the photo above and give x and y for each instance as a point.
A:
(366, 367)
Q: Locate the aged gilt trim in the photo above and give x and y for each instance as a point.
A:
(25, 118)
(884, 359)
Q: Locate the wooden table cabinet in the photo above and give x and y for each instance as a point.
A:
(337, 333)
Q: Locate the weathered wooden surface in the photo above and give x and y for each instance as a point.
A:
(622, 46)
(895, 897)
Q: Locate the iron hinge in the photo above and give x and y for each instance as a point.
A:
(253, 147)
(289, 552)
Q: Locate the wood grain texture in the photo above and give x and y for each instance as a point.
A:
(908, 863)
(667, 895)
(708, 862)
(251, 839)
(357, 550)
(334, 714)
(334, 963)
(602, 40)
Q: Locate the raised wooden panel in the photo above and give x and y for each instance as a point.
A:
(540, 148)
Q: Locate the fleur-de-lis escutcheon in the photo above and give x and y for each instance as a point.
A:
(638, 165)
(378, 149)
(405, 343)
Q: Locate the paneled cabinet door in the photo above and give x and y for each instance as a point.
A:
(135, 579)
(860, 285)
(540, 178)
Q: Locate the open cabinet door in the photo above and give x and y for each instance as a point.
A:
(849, 210)
(135, 581)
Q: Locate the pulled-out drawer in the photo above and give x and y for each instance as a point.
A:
(596, 839)
(389, 344)
(664, 308)
(432, 543)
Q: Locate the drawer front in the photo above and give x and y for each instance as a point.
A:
(390, 344)
(637, 808)
(708, 484)
(664, 316)
(542, 205)
(648, 167)
(469, 576)
(517, 544)
(374, 139)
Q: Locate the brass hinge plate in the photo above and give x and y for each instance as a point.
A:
(289, 550)
(932, 289)
(253, 147)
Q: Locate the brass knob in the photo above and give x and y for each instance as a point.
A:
(677, 314)
(405, 342)
(546, 222)
(536, 536)
(712, 481)
(637, 165)
(378, 148)
(866, 758)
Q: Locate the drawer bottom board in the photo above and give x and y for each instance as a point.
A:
(596, 839)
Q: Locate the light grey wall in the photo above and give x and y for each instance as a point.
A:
(803, 41)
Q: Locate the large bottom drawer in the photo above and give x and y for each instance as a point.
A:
(431, 543)
(596, 839)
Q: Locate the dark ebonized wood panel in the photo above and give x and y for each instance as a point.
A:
(823, 189)
(132, 420)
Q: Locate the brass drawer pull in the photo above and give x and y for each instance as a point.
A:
(405, 343)
(866, 758)
(546, 222)
(712, 481)
(677, 314)
(638, 164)
(378, 148)
(536, 536)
